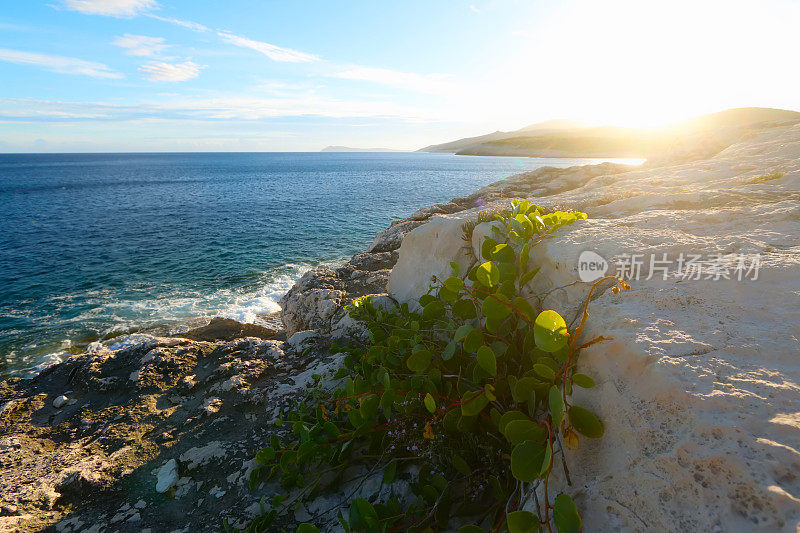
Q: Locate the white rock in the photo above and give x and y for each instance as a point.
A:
(302, 339)
(60, 402)
(167, 476)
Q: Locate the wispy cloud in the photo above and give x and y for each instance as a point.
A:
(272, 51)
(424, 83)
(141, 45)
(276, 53)
(188, 24)
(474, 8)
(60, 64)
(223, 107)
(111, 8)
(172, 72)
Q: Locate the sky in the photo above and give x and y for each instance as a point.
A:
(256, 75)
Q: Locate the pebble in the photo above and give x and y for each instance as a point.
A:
(59, 402)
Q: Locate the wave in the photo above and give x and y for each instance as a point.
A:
(117, 322)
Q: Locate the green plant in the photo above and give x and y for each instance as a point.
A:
(462, 407)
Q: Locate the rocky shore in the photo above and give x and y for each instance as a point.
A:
(699, 390)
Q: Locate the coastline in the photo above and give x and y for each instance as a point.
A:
(95, 459)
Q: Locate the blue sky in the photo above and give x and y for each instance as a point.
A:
(174, 75)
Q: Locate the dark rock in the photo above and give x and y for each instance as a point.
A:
(226, 329)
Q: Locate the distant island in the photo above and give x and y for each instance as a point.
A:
(566, 138)
(350, 149)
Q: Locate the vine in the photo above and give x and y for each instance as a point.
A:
(461, 405)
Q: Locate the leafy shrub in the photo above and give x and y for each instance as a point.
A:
(465, 403)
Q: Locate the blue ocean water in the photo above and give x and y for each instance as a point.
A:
(96, 245)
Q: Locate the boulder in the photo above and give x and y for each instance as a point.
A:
(226, 329)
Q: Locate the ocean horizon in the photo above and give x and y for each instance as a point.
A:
(98, 245)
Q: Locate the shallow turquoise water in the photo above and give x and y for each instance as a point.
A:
(95, 245)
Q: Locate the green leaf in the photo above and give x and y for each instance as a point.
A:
(488, 274)
(510, 416)
(550, 331)
(368, 407)
(342, 521)
(425, 299)
(517, 431)
(473, 340)
(473, 402)
(449, 351)
(455, 267)
(454, 284)
(464, 309)
(496, 306)
(562, 354)
(306, 528)
(504, 253)
(430, 403)
(524, 254)
(265, 455)
(582, 380)
(447, 295)
(545, 371)
(461, 465)
(585, 422)
(433, 310)
(565, 515)
(528, 276)
(526, 460)
(362, 514)
(355, 418)
(556, 406)
(419, 361)
(487, 360)
(548, 455)
(471, 529)
(386, 402)
(488, 247)
(462, 332)
(523, 388)
(389, 473)
(524, 307)
(331, 430)
(522, 522)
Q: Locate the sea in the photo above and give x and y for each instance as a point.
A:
(96, 246)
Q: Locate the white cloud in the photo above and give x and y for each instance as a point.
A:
(141, 45)
(474, 9)
(188, 24)
(160, 71)
(276, 53)
(111, 8)
(60, 64)
(424, 83)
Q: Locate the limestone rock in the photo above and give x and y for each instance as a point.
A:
(167, 476)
